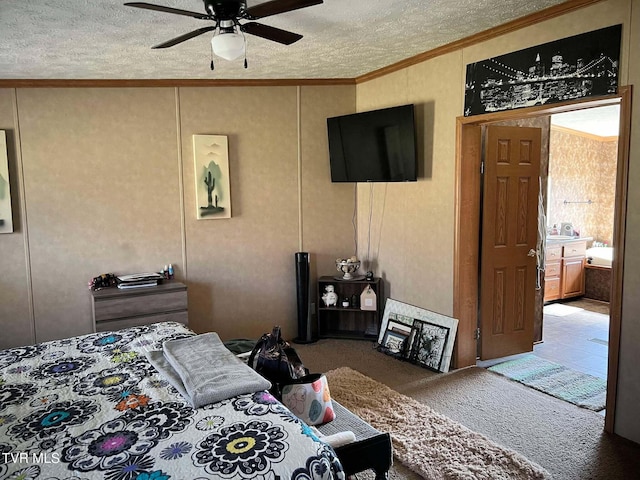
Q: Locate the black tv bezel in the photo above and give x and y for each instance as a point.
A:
(336, 144)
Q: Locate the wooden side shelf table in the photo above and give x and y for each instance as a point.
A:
(352, 321)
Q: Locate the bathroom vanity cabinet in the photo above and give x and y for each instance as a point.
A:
(564, 269)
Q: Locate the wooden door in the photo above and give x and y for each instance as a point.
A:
(509, 237)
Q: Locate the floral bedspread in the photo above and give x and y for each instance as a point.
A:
(93, 407)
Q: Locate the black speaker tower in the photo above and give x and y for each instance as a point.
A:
(303, 294)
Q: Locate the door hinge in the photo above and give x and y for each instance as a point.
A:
(482, 167)
(476, 334)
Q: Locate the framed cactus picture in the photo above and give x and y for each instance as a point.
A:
(211, 163)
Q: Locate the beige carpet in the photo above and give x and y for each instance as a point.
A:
(429, 443)
(568, 441)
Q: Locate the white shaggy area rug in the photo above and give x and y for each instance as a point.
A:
(429, 443)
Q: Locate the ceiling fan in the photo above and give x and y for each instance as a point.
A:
(228, 42)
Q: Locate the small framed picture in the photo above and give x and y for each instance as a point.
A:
(400, 328)
(429, 342)
(428, 336)
(395, 342)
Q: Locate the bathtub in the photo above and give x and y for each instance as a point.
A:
(600, 256)
(597, 272)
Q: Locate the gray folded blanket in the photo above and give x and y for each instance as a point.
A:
(204, 371)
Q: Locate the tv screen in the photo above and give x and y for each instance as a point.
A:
(375, 146)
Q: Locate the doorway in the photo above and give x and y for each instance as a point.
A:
(466, 261)
(580, 195)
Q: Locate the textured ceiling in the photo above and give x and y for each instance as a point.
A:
(601, 121)
(103, 39)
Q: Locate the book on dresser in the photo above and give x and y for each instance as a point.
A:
(141, 284)
(139, 280)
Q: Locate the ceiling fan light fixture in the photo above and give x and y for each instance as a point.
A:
(228, 45)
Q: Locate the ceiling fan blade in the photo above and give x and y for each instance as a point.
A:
(186, 36)
(274, 7)
(270, 33)
(160, 8)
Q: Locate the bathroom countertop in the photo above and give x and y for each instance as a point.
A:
(556, 239)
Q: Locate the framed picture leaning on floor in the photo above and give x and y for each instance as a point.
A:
(417, 335)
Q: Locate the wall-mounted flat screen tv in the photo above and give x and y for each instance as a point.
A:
(375, 146)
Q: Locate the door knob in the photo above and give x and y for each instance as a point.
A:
(532, 253)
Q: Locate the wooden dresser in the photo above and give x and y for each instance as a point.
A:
(114, 308)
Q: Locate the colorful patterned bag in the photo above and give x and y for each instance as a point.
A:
(309, 399)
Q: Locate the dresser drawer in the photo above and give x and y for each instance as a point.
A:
(136, 305)
(106, 326)
(577, 249)
(552, 270)
(552, 289)
(553, 252)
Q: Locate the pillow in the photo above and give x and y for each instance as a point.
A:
(309, 399)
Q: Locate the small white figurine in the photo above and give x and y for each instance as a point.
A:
(329, 297)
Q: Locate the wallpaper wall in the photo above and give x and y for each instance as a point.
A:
(582, 169)
(104, 182)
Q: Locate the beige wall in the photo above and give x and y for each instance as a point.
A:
(101, 193)
(16, 321)
(327, 209)
(413, 223)
(107, 177)
(229, 262)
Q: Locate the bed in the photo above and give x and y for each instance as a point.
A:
(93, 407)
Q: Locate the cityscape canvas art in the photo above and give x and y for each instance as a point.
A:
(580, 66)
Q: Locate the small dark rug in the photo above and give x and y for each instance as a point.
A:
(557, 380)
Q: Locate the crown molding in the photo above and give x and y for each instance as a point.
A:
(590, 136)
(480, 37)
(172, 83)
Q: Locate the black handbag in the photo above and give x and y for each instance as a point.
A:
(276, 360)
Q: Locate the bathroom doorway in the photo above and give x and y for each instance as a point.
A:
(581, 188)
(466, 258)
